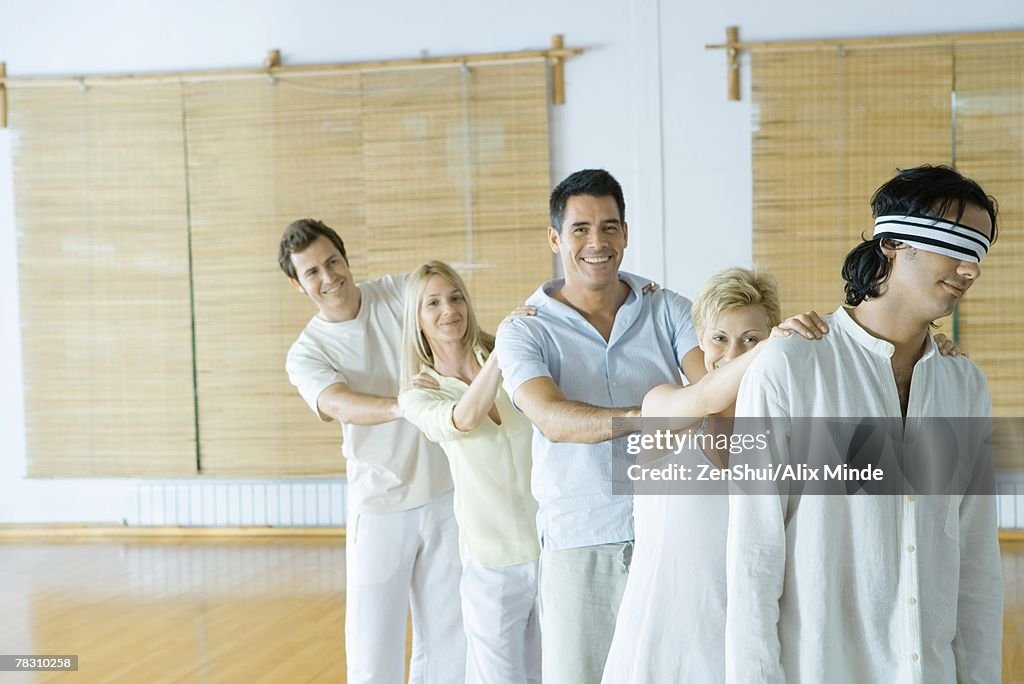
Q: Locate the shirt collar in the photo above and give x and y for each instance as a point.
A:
(542, 297)
(842, 318)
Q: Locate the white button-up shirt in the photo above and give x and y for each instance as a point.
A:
(861, 588)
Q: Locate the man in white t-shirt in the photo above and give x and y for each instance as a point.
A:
(401, 546)
(872, 587)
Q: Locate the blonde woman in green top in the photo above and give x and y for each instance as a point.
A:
(488, 444)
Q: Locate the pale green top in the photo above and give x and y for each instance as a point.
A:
(491, 468)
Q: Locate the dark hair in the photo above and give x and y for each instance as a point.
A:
(593, 182)
(927, 190)
(301, 234)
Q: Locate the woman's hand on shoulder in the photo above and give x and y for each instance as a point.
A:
(809, 325)
(521, 310)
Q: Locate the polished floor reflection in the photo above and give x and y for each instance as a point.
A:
(222, 610)
(187, 610)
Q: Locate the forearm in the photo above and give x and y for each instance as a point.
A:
(713, 393)
(356, 408)
(477, 401)
(574, 421)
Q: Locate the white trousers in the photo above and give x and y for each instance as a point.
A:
(395, 562)
(500, 612)
(580, 593)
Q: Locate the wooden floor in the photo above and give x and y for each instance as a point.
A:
(222, 610)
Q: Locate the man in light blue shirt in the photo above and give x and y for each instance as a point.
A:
(594, 349)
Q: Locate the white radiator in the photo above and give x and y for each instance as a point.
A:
(1010, 502)
(235, 503)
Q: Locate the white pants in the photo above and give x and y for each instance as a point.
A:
(500, 612)
(394, 562)
(580, 593)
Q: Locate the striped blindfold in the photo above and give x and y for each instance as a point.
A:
(935, 235)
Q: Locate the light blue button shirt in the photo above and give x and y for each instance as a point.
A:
(573, 482)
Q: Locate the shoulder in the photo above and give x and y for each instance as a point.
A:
(386, 286)
(669, 312)
(309, 354)
(543, 323)
(671, 300)
(787, 355)
(307, 339)
(524, 329)
(662, 298)
(961, 370)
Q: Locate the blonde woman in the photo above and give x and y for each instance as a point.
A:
(488, 446)
(671, 625)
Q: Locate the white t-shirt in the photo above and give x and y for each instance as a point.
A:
(391, 466)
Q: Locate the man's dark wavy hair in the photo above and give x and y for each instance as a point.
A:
(927, 190)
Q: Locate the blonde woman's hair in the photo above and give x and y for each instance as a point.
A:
(416, 351)
(734, 288)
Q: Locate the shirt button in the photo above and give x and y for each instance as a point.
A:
(912, 601)
(915, 657)
(910, 548)
(910, 497)
(615, 384)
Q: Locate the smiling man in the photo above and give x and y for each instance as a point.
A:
(595, 347)
(401, 546)
(876, 587)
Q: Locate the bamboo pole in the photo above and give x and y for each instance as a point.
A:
(557, 71)
(732, 38)
(875, 42)
(278, 71)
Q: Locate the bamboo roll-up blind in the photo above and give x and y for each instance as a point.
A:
(989, 138)
(831, 127)
(260, 156)
(456, 168)
(103, 265)
(167, 225)
(389, 159)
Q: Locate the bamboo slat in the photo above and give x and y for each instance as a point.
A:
(104, 283)
(873, 42)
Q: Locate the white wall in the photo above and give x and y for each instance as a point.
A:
(646, 101)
